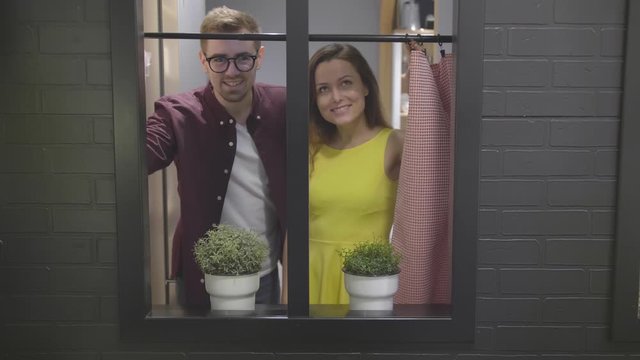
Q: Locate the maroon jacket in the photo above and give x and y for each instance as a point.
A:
(195, 131)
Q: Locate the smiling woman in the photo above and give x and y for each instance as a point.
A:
(294, 326)
(353, 154)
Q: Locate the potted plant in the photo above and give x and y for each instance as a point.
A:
(231, 257)
(371, 271)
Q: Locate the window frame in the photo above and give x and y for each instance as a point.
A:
(625, 321)
(297, 331)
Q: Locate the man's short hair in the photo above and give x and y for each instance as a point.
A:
(226, 20)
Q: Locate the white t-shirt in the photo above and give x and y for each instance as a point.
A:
(247, 203)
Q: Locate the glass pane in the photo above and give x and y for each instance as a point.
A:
(192, 126)
(354, 166)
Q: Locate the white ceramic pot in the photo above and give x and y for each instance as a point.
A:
(371, 292)
(232, 292)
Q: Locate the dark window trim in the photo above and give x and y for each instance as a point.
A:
(626, 325)
(297, 332)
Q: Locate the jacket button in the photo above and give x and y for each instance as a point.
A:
(226, 171)
(230, 143)
(230, 121)
(219, 197)
(221, 122)
(258, 117)
(201, 281)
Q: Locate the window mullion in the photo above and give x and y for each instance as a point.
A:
(297, 159)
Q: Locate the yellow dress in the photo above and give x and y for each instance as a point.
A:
(351, 199)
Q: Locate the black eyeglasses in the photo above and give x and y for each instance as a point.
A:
(220, 64)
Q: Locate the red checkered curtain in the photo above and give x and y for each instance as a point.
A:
(422, 222)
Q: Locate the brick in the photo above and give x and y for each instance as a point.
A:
(147, 356)
(400, 356)
(483, 338)
(488, 222)
(103, 130)
(43, 10)
(590, 11)
(506, 310)
(495, 357)
(56, 356)
(577, 310)
(602, 222)
(61, 70)
(576, 73)
(560, 41)
(553, 222)
(108, 309)
(105, 191)
(521, 12)
(486, 281)
(513, 132)
(77, 39)
(582, 132)
(49, 250)
(583, 356)
(519, 252)
(606, 163)
(540, 338)
(18, 38)
(608, 103)
(600, 281)
(25, 280)
(612, 41)
(582, 193)
(99, 71)
(84, 279)
(318, 356)
(95, 160)
(579, 252)
(107, 252)
(86, 337)
(490, 162)
(494, 40)
(54, 308)
(512, 192)
(548, 162)
(43, 129)
(19, 99)
(551, 103)
(85, 101)
(68, 190)
(84, 220)
(521, 73)
(21, 188)
(18, 69)
(493, 103)
(24, 220)
(542, 281)
(97, 10)
(32, 188)
(29, 337)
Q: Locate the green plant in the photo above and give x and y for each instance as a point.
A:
(230, 250)
(371, 258)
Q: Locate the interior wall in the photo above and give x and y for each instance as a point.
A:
(326, 17)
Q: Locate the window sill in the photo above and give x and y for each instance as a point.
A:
(279, 312)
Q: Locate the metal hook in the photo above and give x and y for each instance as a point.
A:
(442, 51)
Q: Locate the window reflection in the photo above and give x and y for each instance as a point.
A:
(173, 68)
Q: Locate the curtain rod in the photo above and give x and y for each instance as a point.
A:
(312, 37)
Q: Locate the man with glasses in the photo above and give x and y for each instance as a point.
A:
(227, 140)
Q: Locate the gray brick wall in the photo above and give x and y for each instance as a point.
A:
(552, 85)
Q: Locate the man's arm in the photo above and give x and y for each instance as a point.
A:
(160, 138)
